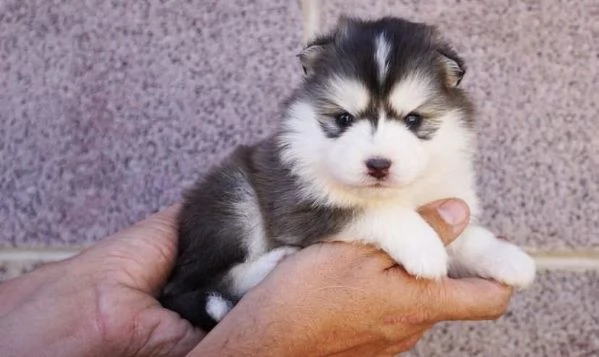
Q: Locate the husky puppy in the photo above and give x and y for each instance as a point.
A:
(378, 127)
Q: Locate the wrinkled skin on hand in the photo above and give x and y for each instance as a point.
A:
(100, 302)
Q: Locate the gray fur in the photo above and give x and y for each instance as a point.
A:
(290, 219)
(212, 241)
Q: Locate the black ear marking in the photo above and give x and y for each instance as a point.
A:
(316, 48)
(454, 66)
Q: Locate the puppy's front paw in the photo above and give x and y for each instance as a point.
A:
(422, 254)
(403, 234)
(480, 252)
(428, 264)
(510, 265)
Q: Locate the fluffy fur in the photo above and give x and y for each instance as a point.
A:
(378, 127)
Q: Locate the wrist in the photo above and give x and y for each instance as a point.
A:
(268, 321)
(250, 329)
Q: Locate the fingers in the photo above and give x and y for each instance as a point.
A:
(174, 337)
(447, 217)
(471, 299)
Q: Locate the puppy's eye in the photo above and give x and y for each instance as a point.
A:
(344, 119)
(413, 121)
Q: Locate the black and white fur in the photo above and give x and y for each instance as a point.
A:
(378, 128)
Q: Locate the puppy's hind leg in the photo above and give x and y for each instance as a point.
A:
(204, 308)
(244, 276)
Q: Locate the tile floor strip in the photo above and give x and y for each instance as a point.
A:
(565, 260)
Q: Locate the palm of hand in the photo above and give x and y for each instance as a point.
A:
(126, 272)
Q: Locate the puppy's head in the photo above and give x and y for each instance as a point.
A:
(379, 108)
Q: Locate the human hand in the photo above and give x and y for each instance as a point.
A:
(347, 300)
(100, 302)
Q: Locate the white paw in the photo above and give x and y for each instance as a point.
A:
(275, 256)
(246, 275)
(427, 264)
(217, 307)
(403, 234)
(510, 265)
(479, 252)
(422, 254)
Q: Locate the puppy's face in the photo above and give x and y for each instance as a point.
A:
(379, 104)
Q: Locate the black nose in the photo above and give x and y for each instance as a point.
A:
(378, 167)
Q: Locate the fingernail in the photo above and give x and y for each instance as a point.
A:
(453, 212)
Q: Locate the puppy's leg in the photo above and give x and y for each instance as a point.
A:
(405, 236)
(207, 306)
(245, 276)
(479, 252)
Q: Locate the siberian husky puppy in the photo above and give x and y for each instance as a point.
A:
(378, 127)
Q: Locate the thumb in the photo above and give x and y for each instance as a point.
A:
(472, 299)
(142, 254)
(447, 217)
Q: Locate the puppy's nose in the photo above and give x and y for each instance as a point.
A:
(378, 167)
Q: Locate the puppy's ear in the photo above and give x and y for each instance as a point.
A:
(453, 66)
(310, 55)
(316, 48)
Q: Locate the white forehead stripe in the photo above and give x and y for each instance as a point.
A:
(349, 94)
(381, 55)
(410, 93)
